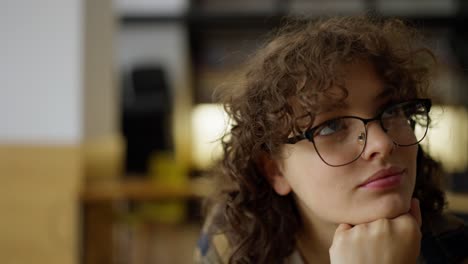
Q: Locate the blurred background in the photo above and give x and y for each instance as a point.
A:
(107, 122)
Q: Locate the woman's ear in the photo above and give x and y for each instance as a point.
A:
(272, 172)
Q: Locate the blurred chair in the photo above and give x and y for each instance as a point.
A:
(146, 111)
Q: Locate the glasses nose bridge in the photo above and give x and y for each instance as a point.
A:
(370, 120)
(380, 124)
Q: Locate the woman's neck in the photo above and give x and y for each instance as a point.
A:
(314, 240)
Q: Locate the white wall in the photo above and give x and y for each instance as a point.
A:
(40, 71)
(163, 7)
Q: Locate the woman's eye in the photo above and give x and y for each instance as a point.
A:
(329, 128)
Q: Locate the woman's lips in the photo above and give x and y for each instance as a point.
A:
(384, 179)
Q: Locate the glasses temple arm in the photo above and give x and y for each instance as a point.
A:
(295, 139)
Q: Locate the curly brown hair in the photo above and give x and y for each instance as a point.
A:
(285, 85)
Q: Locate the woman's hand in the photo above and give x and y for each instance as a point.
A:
(383, 241)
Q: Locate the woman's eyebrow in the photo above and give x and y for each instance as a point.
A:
(387, 92)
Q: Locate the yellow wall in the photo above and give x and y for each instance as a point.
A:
(39, 204)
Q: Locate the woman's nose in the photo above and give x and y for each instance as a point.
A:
(378, 144)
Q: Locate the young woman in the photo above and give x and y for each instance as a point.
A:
(323, 163)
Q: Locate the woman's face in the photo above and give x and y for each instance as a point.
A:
(337, 194)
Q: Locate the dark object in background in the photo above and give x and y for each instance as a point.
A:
(458, 182)
(146, 111)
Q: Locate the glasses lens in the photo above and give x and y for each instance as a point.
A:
(406, 123)
(340, 141)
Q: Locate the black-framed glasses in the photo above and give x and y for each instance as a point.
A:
(342, 140)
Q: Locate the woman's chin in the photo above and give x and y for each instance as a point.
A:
(385, 210)
(390, 214)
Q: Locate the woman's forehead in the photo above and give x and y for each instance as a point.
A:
(366, 91)
(356, 86)
(357, 81)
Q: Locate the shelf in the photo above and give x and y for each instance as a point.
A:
(208, 20)
(143, 190)
(240, 20)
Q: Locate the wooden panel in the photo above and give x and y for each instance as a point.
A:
(38, 200)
